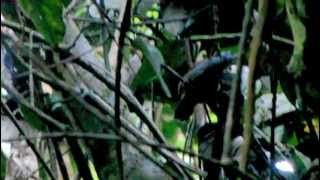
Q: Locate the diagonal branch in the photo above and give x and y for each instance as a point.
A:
(30, 144)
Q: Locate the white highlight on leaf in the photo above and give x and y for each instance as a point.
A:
(284, 166)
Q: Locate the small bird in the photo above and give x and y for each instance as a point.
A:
(201, 84)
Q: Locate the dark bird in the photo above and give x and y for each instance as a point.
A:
(201, 84)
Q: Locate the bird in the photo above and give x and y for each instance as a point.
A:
(201, 84)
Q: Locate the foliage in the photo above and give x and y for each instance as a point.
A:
(180, 57)
(3, 166)
(151, 66)
(47, 18)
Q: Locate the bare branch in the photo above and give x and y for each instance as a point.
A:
(254, 49)
(236, 83)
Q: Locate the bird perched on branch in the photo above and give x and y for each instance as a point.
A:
(201, 84)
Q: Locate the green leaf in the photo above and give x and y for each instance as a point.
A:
(296, 65)
(301, 161)
(174, 52)
(47, 18)
(3, 165)
(293, 140)
(151, 66)
(32, 118)
(280, 6)
(213, 117)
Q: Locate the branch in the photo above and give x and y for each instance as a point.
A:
(125, 25)
(222, 36)
(128, 97)
(273, 85)
(254, 48)
(59, 157)
(40, 113)
(104, 136)
(30, 144)
(23, 29)
(236, 83)
(80, 97)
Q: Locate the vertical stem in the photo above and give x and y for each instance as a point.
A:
(31, 84)
(236, 83)
(125, 25)
(80, 159)
(104, 35)
(254, 48)
(273, 112)
(62, 165)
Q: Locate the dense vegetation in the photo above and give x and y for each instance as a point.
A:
(160, 89)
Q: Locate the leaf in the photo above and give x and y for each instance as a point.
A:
(47, 17)
(293, 140)
(296, 65)
(151, 66)
(3, 165)
(32, 118)
(301, 161)
(174, 52)
(213, 117)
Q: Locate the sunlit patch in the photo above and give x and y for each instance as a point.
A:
(4, 92)
(6, 149)
(93, 171)
(284, 166)
(46, 88)
(213, 117)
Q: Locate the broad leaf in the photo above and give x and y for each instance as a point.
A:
(151, 66)
(47, 18)
(33, 119)
(296, 65)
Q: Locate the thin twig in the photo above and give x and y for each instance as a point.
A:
(104, 32)
(248, 116)
(82, 135)
(222, 36)
(176, 162)
(74, 42)
(47, 162)
(61, 163)
(17, 27)
(171, 158)
(31, 81)
(104, 22)
(273, 84)
(40, 113)
(127, 95)
(69, 59)
(75, 92)
(236, 82)
(30, 144)
(104, 136)
(174, 73)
